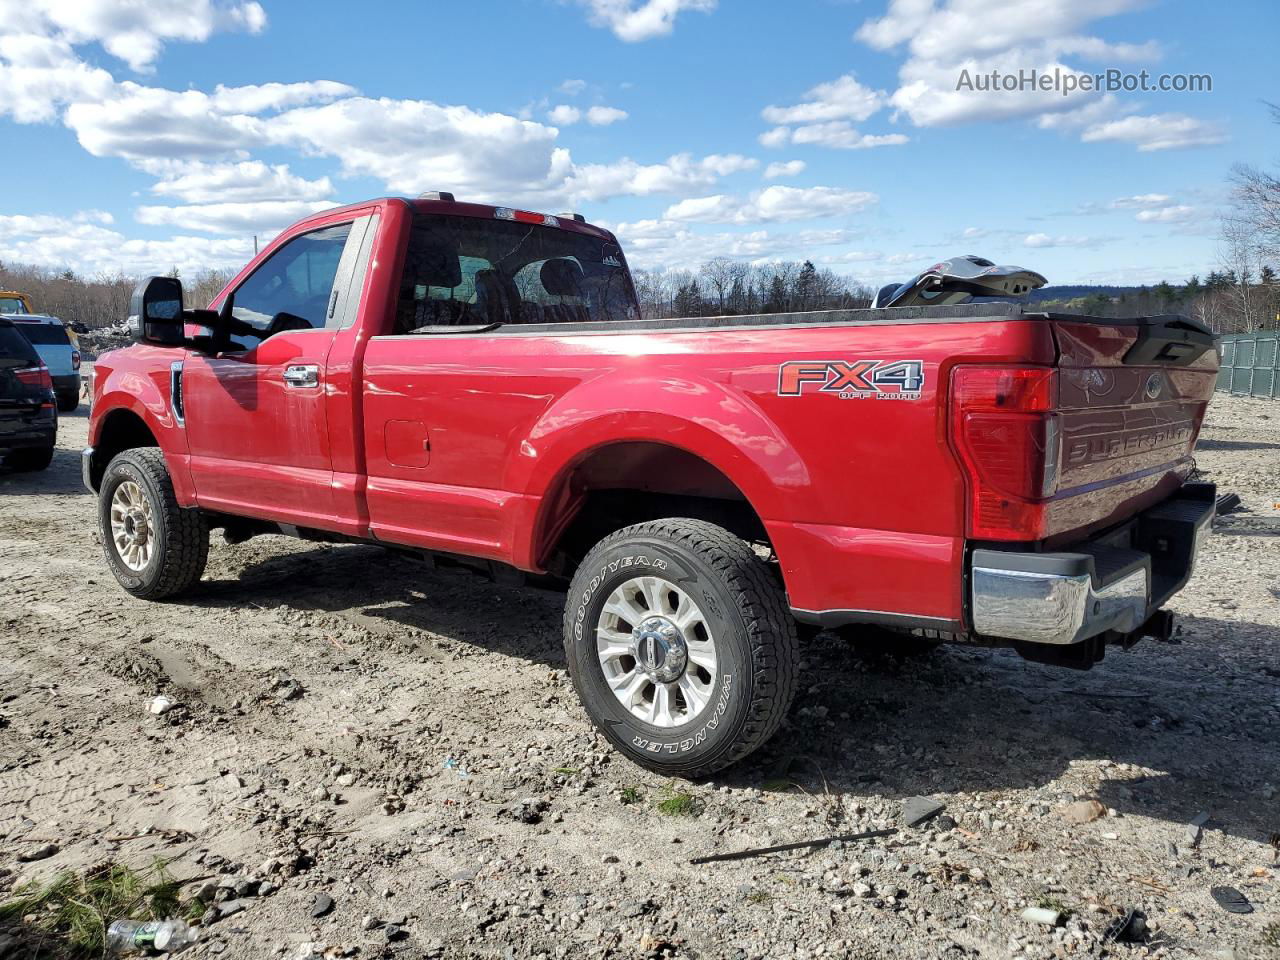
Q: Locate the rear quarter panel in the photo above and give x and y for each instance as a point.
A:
(861, 495)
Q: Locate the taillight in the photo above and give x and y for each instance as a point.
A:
(75, 359)
(35, 376)
(1004, 428)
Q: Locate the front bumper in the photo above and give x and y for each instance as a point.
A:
(1114, 583)
(86, 469)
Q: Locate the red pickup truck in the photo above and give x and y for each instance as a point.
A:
(475, 383)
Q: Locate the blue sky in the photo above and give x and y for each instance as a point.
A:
(147, 134)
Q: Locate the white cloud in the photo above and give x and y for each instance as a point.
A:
(1141, 201)
(772, 204)
(633, 22)
(944, 38)
(250, 180)
(132, 32)
(604, 116)
(654, 244)
(416, 145)
(564, 115)
(1044, 240)
(789, 168)
(91, 248)
(836, 134)
(842, 99)
(1160, 131)
(962, 28)
(679, 174)
(777, 137)
(261, 217)
(840, 135)
(825, 117)
(1176, 213)
(264, 97)
(572, 88)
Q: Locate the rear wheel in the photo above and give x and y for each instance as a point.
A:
(30, 459)
(68, 400)
(154, 547)
(681, 645)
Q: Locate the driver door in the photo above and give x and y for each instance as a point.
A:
(255, 413)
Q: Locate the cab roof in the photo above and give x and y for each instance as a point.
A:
(483, 211)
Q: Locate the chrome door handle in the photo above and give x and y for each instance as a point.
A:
(302, 375)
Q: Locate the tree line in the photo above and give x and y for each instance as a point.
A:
(102, 300)
(725, 287)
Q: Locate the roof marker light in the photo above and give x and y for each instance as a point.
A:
(525, 216)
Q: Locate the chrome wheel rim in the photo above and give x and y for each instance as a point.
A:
(132, 526)
(657, 652)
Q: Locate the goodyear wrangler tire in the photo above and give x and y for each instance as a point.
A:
(154, 547)
(681, 645)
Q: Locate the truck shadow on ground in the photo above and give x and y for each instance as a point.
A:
(956, 721)
(383, 592)
(967, 720)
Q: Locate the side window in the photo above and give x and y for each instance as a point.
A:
(291, 290)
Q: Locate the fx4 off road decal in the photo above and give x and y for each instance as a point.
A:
(853, 379)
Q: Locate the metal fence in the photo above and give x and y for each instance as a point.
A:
(1251, 363)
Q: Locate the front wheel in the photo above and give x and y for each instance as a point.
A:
(154, 547)
(681, 645)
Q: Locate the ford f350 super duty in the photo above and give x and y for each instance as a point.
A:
(475, 383)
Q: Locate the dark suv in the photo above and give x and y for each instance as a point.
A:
(28, 420)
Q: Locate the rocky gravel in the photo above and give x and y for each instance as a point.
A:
(359, 755)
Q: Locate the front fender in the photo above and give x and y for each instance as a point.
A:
(136, 381)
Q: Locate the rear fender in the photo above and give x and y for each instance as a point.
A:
(700, 417)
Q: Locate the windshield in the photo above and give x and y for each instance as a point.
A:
(463, 271)
(44, 333)
(12, 305)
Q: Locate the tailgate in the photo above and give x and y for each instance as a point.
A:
(1132, 396)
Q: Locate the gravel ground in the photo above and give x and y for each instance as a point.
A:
(407, 742)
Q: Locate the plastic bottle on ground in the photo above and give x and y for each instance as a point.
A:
(133, 936)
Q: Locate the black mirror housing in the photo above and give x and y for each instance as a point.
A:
(155, 312)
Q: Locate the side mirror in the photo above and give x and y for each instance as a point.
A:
(155, 312)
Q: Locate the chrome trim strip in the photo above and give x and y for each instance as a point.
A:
(177, 403)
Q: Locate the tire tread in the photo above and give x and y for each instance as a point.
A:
(761, 602)
(186, 543)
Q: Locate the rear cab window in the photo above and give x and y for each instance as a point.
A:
(12, 306)
(474, 271)
(44, 334)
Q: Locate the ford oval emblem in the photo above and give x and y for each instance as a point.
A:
(1155, 384)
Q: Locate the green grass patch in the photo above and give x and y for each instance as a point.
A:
(76, 909)
(679, 803)
(1053, 903)
(631, 795)
(759, 896)
(566, 771)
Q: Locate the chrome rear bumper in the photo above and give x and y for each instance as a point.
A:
(1114, 583)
